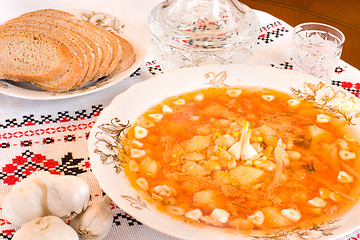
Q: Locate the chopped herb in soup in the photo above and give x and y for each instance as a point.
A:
(243, 158)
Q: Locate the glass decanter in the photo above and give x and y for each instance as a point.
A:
(188, 33)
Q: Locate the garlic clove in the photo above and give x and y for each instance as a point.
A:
(140, 132)
(25, 201)
(175, 210)
(199, 97)
(166, 109)
(268, 98)
(195, 214)
(220, 215)
(317, 202)
(137, 153)
(162, 190)
(344, 177)
(236, 149)
(142, 183)
(346, 155)
(234, 93)
(248, 152)
(322, 118)
(180, 102)
(291, 214)
(66, 195)
(95, 222)
(293, 102)
(45, 228)
(257, 218)
(157, 117)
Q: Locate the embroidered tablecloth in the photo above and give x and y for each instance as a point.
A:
(52, 135)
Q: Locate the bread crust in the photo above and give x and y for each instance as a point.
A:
(128, 57)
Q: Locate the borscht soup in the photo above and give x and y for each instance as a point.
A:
(243, 158)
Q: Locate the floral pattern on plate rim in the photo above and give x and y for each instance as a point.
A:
(103, 20)
(327, 98)
(109, 145)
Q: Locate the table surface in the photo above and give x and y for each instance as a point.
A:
(52, 135)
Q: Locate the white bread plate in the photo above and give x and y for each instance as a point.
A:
(110, 22)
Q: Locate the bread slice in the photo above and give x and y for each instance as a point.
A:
(70, 78)
(32, 57)
(128, 56)
(113, 41)
(110, 46)
(83, 50)
(91, 52)
(97, 51)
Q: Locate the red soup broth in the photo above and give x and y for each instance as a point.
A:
(243, 158)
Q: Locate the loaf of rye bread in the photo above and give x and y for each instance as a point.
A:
(79, 51)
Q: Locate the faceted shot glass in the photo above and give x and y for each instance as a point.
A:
(316, 49)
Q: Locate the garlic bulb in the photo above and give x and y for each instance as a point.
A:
(66, 195)
(95, 222)
(26, 200)
(45, 228)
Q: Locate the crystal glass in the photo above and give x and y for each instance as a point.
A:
(189, 33)
(317, 49)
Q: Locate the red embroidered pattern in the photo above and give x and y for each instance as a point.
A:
(21, 167)
(357, 237)
(62, 117)
(271, 32)
(44, 132)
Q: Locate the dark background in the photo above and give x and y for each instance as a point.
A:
(344, 15)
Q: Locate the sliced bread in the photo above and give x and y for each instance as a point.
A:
(90, 51)
(69, 79)
(82, 48)
(128, 56)
(69, 21)
(32, 57)
(113, 41)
